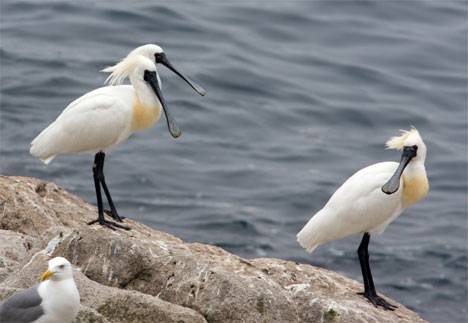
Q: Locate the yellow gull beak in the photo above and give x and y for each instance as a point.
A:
(46, 275)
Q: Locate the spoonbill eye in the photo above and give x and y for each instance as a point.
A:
(158, 57)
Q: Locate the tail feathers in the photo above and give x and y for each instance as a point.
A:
(312, 234)
(45, 158)
(42, 147)
(48, 159)
(307, 240)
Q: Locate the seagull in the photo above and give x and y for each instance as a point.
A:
(368, 201)
(103, 118)
(54, 300)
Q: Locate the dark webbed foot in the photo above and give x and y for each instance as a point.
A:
(369, 287)
(114, 215)
(110, 224)
(379, 301)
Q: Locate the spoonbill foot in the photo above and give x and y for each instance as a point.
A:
(110, 224)
(114, 215)
(379, 301)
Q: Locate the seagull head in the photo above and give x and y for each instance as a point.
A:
(59, 269)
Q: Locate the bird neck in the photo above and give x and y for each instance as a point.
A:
(61, 298)
(144, 92)
(62, 282)
(415, 184)
(146, 108)
(57, 287)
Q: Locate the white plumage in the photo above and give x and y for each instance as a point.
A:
(360, 205)
(105, 117)
(368, 201)
(60, 297)
(96, 121)
(54, 300)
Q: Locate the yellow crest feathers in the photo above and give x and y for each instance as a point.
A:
(398, 142)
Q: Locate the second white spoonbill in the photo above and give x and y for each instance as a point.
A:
(107, 116)
(368, 201)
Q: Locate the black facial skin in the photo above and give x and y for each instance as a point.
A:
(160, 58)
(151, 78)
(393, 184)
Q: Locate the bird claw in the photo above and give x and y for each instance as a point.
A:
(110, 224)
(114, 215)
(379, 301)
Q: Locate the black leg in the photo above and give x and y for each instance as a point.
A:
(363, 260)
(113, 211)
(369, 289)
(98, 175)
(98, 191)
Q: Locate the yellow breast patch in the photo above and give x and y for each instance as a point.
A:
(414, 189)
(144, 117)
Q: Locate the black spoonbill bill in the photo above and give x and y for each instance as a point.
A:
(107, 116)
(368, 201)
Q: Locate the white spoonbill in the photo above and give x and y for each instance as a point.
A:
(368, 201)
(107, 116)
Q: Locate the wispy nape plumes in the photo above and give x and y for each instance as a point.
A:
(121, 70)
(397, 142)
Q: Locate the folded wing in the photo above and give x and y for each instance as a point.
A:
(90, 123)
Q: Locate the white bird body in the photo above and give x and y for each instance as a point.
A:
(360, 205)
(54, 300)
(98, 121)
(61, 301)
(107, 116)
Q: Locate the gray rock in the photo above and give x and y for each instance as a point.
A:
(15, 250)
(145, 275)
(101, 303)
(89, 315)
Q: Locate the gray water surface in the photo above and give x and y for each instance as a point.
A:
(300, 96)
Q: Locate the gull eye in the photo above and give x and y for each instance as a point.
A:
(62, 266)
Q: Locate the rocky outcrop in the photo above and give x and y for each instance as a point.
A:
(144, 275)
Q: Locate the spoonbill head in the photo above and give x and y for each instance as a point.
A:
(105, 117)
(135, 69)
(369, 200)
(144, 77)
(156, 53)
(413, 153)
